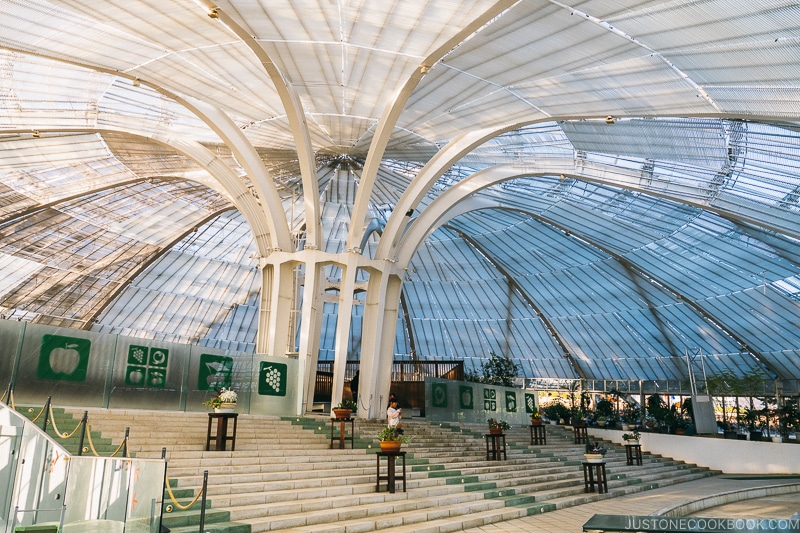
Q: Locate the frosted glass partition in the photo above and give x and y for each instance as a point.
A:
(33, 474)
(41, 483)
(114, 494)
(85, 368)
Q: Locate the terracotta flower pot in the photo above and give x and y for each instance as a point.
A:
(342, 413)
(495, 431)
(392, 446)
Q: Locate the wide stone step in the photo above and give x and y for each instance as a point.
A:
(284, 476)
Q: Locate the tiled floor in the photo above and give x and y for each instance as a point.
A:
(571, 520)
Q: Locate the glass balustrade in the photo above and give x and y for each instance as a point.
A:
(42, 485)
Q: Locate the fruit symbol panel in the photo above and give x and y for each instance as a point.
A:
(63, 358)
(465, 397)
(272, 379)
(511, 402)
(216, 371)
(147, 367)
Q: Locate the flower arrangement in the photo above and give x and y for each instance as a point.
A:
(498, 424)
(223, 396)
(595, 448)
(535, 415)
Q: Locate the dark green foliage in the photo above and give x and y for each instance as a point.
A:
(498, 370)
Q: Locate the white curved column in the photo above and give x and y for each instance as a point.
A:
(343, 322)
(433, 170)
(297, 123)
(391, 114)
(377, 340)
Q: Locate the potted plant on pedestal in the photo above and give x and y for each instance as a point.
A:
(224, 401)
(594, 452)
(536, 418)
(496, 427)
(632, 438)
(390, 439)
(344, 409)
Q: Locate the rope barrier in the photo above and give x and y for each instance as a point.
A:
(91, 444)
(58, 432)
(174, 501)
(11, 396)
(40, 413)
(48, 408)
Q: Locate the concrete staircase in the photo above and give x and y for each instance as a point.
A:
(284, 476)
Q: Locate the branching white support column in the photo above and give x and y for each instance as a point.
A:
(394, 109)
(309, 330)
(276, 304)
(385, 338)
(343, 322)
(383, 294)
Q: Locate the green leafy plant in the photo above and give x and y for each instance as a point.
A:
(501, 424)
(393, 434)
(631, 414)
(635, 435)
(498, 370)
(346, 404)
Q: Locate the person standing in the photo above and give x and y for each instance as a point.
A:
(354, 387)
(394, 414)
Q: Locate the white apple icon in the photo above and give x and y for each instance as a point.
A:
(64, 360)
(136, 377)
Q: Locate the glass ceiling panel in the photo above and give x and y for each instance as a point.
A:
(197, 292)
(78, 218)
(701, 142)
(85, 249)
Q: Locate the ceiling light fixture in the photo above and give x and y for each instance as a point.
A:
(36, 134)
(610, 120)
(136, 82)
(214, 13)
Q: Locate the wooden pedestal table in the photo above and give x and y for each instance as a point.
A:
(495, 446)
(633, 454)
(342, 435)
(221, 436)
(538, 435)
(391, 477)
(592, 471)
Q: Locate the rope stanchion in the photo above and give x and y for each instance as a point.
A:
(203, 505)
(46, 413)
(125, 442)
(175, 502)
(84, 423)
(58, 432)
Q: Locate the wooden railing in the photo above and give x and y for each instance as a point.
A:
(408, 379)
